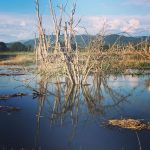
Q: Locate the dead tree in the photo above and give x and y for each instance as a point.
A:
(57, 25)
(70, 56)
(42, 46)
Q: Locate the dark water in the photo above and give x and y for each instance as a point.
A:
(63, 117)
(5, 57)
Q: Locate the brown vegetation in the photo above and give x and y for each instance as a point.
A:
(75, 65)
(18, 60)
(131, 124)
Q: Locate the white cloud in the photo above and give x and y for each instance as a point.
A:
(117, 24)
(131, 26)
(23, 23)
(16, 27)
(19, 27)
(93, 24)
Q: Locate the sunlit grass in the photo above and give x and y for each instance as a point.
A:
(18, 59)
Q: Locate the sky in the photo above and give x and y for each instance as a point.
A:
(18, 20)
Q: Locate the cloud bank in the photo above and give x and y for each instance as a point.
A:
(134, 25)
(21, 27)
(16, 27)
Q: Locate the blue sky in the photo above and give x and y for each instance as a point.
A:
(85, 7)
(17, 17)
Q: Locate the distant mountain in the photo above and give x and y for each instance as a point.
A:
(83, 39)
(121, 39)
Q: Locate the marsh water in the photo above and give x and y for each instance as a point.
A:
(54, 115)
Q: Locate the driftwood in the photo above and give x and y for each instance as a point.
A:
(9, 109)
(6, 97)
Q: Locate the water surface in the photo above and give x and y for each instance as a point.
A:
(57, 116)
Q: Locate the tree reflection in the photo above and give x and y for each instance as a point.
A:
(41, 94)
(147, 84)
(63, 98)
(60, 101)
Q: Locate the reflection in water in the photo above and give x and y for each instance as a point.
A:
(64, 99)
(70, 117)
(41, 94)
(147, 84)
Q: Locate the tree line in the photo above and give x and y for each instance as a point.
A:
(17, 46)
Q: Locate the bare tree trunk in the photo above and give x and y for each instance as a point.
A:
(71, 28)
(57, 25)
(42, 49)
(66, 36)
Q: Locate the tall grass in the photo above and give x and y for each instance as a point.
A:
(18, 60)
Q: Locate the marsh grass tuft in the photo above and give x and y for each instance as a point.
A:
(132, 124)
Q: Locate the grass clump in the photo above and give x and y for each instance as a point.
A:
(131, 124)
